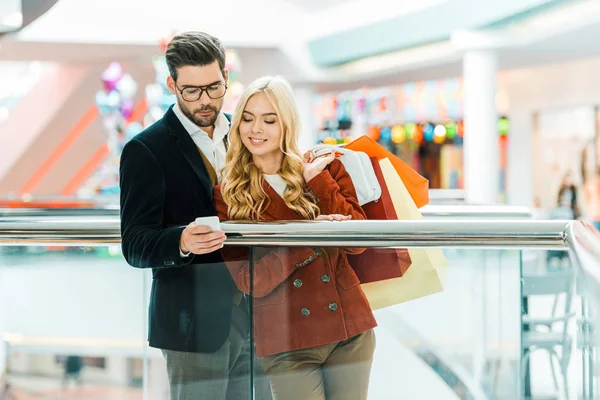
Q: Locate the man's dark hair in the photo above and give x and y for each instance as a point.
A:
(194, 48)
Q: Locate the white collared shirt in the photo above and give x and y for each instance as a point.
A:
(214, 149)
(277, 183)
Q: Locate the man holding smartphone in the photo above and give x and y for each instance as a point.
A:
(167, 174)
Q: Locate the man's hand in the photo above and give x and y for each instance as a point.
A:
(199, 239)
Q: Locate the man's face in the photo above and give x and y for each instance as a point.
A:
(202, 111)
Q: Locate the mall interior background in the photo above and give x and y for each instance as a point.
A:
(496, 99)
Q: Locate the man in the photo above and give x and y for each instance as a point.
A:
(167, 174)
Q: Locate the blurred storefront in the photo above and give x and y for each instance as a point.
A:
(421, 122)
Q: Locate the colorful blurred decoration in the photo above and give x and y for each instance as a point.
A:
(116, 106)
(374, 132)
(410, 130)
(386, 134)
(460, 129)
(439, 134)
(428, 131)
(398, 134)
(503, 126)
(417, 133)
(451, 130)
(122, 120)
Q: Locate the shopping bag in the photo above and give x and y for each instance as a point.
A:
(417, 186)
(428, 269)
(359, 166)
(379, 264)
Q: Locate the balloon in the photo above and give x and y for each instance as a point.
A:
(111, 76)
(154, 114)
(126, 108)
(161, 68)
(154, 93)
(167, 100)
(127, 87)
(329, 140)
(110, 122)
(133, 129)
(114, 100)
(102, 102)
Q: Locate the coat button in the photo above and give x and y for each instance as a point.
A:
(325, 278)
(297, 283)
(318, 252)
(305, 312)
(333, 307)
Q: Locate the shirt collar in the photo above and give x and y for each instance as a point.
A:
(221, 125)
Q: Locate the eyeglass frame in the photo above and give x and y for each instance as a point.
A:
(202, 90)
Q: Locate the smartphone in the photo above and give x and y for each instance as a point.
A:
(212, 222)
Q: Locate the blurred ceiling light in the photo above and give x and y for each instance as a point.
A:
(397, 59)
(563, 16)
(14, 20)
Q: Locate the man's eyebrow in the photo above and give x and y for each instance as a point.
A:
(203, 86)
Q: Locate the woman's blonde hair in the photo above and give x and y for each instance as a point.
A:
(242, 186)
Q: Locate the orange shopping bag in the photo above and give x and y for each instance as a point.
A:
(417, 186)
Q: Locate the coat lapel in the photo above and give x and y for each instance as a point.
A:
(277, 209)
(188, 148)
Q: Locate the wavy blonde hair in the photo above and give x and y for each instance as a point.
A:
(242, 185)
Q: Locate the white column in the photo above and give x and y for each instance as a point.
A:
(304, 99)
(481, 169)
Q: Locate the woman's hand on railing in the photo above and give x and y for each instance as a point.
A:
(333, 217)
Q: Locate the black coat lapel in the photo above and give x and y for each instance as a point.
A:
(188, 148)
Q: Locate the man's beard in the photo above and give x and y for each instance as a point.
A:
(202, 122)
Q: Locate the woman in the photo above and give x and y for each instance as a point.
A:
(313, 324)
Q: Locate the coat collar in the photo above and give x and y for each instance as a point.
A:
(188, 148)
(277, 208)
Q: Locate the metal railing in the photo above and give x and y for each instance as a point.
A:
(580, 238)
(429, 211)
(98, 231)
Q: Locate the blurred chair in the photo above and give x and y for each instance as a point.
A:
(550, 333)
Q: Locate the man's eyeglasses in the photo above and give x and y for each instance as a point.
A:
(193, 93)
